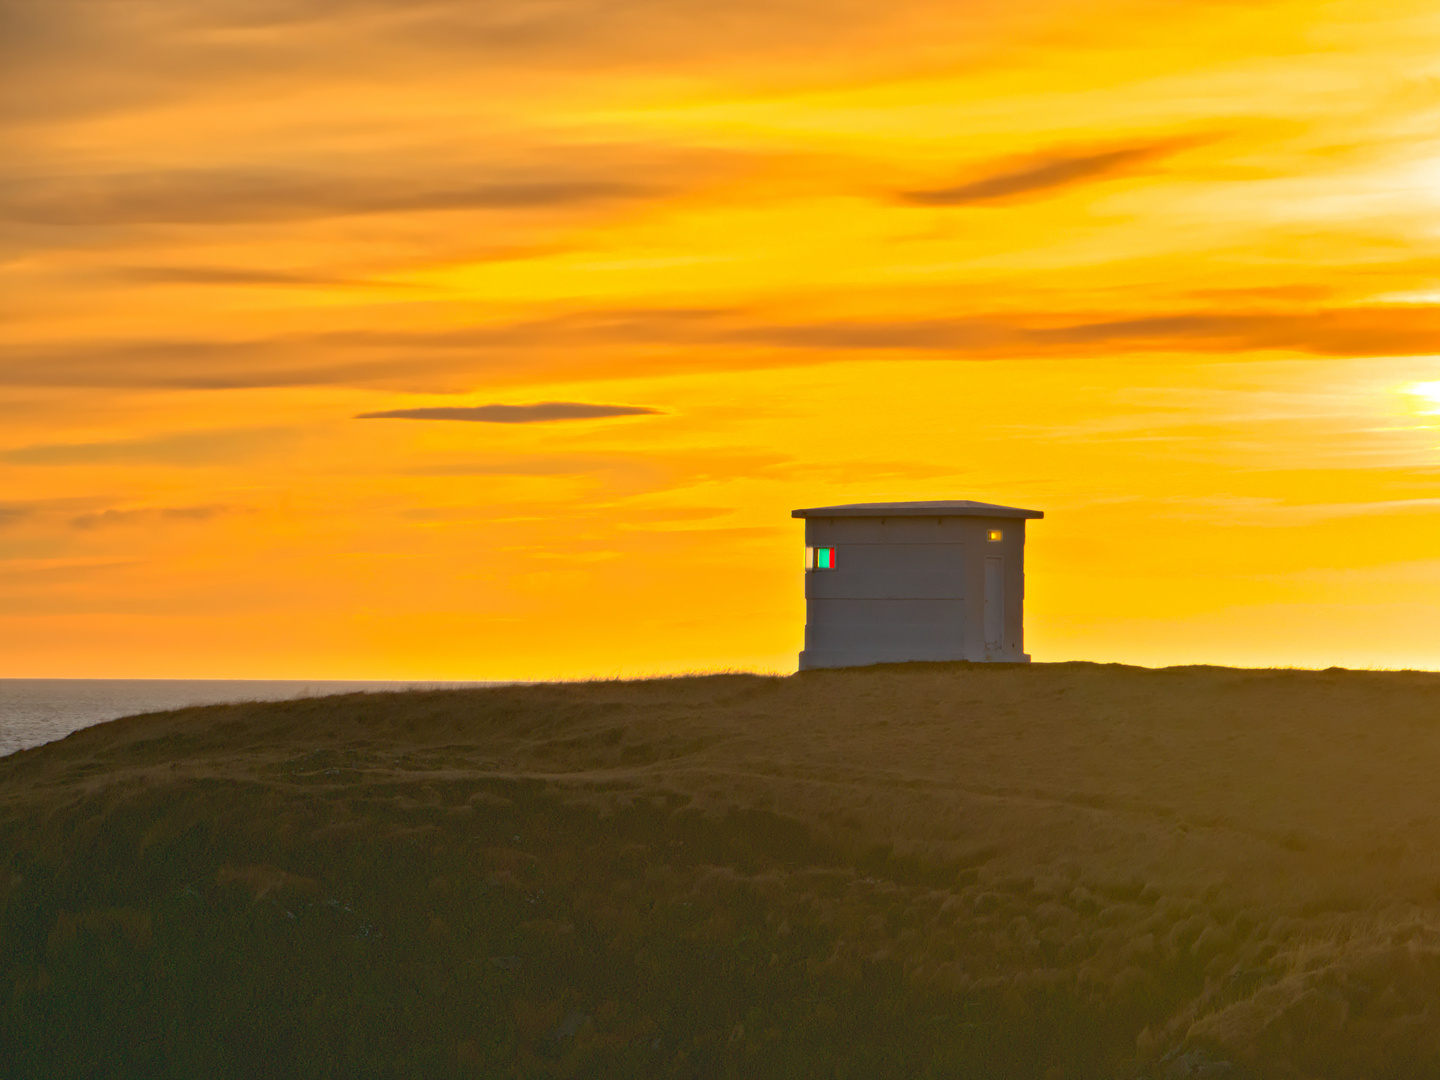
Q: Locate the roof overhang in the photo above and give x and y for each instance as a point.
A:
(945, 508)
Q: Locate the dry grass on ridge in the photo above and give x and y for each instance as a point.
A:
(1257, 851)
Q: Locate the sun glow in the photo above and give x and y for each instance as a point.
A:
(1429, 395)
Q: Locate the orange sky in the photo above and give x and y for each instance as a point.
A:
(1164, 270)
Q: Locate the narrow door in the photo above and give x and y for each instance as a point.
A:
(994, 602)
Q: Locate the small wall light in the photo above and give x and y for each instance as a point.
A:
(995, 534)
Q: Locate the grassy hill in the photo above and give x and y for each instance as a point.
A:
(1049, 871)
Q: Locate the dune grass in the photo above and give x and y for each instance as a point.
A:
(1048, 871)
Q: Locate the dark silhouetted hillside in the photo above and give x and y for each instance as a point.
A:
(1050, 871)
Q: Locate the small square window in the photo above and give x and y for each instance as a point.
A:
(819, 558)
(995, 534)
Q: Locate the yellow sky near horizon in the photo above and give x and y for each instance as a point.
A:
(1165, 271)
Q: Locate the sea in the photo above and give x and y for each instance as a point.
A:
(35, 711)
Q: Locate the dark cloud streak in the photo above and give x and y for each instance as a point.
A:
(222, 275)
(63, 52)
(148, 515)
(1043, 174)
(603, 343)
(539, 413)
(189, 448)
(14, 513)
(219, 196)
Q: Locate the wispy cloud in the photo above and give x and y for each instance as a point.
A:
(531, 465)
(14, 513)
(190, 448)
(585, 344)
(197, 364)
(68, 45)
(225, 275)
(540, 413)
(673, 470)
(149, 515)
(1045, 173)
(218, 196)
(1354, 331)
(86, 513)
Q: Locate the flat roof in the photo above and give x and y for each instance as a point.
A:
(940, 508)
